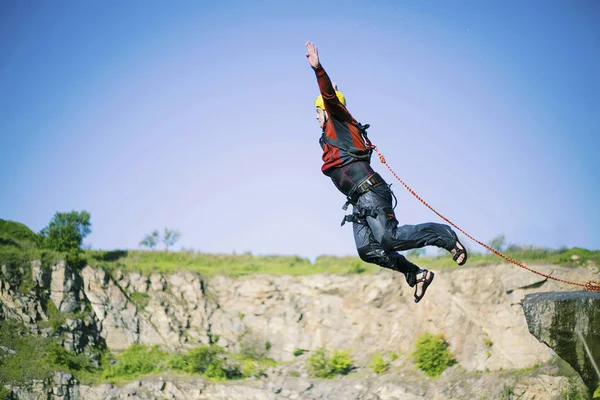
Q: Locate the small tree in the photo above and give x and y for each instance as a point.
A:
(150, 241)
(498, 243)
(170, 237)
(66, 231)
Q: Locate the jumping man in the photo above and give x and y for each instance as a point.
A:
(346, 160)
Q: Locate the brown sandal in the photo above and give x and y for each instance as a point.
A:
(426, 282)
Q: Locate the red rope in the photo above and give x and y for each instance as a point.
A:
(589, 286)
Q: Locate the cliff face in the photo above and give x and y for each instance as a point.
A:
(568, 323)
(477, 309)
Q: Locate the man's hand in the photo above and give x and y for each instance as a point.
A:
(312, 54)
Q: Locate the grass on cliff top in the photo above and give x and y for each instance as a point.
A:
(224, 264)
(244, 264)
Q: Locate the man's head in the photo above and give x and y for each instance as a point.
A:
(320, 106)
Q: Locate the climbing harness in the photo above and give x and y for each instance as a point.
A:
(362, 187)
(363, 155)
(589, 286)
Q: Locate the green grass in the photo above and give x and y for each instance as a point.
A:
(209, 265)
(227, 264)
(37, 357)
(29, 362)
(140, 299)
(19, 246)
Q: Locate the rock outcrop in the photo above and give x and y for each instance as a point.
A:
(568, 323)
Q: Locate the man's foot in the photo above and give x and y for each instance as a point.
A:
(424, 279)
(459, 253)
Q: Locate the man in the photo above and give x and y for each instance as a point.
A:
(346, 160)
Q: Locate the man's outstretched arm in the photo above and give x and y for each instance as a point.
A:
(331, 101)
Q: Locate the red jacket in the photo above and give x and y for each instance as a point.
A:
(340, 127)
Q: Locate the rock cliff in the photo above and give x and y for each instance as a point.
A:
(568, 323)
(477, 309)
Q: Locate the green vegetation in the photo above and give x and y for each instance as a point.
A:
(37, 358)
(574, 392)
(55, 317)
(323, 366)
(4, 393)
(507, 392)
(19, 246)
(299, 352)
(150, 240)
(136, 361)
(168, 239)
(378, 363)
(597, 392)
(210, 265)
(498, 243)
(61, 239)
(65, 234)
(209, 361)
(139, 299)
(431, 354)
(66, 231)
(252, 365)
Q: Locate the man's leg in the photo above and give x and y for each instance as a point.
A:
(371, 251)
(386, 231)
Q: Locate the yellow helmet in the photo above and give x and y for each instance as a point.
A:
(320, 104)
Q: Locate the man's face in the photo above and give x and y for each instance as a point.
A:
(321, 117)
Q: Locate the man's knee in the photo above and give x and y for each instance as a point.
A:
(388, 242)
(373, 254)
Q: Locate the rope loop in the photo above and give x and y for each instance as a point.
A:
(588, 286)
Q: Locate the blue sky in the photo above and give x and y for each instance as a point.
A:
(198, 116)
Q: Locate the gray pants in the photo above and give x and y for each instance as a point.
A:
(378, 236)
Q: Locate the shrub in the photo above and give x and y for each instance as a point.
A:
(205, 360)
(200, 358)
(178, 362)
(378, 364)
(597, 392)
(341, 362)
(215, 370)
(136, 360)
(431, 354)
(55, 318)
(321, 366)
(298, 352)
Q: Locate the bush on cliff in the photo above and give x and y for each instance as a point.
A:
(323, 366)
(431, 354)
